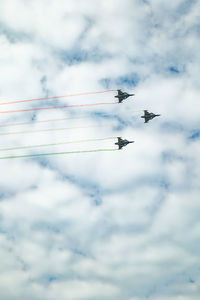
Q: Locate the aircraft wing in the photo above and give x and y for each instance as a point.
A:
(146, 120)
(119, 139)
(120, 147)
(119, 92)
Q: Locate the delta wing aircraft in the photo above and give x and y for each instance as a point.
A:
(122, 96)
(121, 143)
(148, 116)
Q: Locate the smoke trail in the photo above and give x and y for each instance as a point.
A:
(49, 129)
(55, 153)
(44, 121)
(56, 97)
(55, 144)
(55, 107)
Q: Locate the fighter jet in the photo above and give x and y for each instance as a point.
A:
(122, 95)
(148, 116)
(121, 143)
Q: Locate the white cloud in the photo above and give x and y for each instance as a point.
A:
(121, 224)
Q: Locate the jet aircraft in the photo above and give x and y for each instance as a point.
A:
(148, 116)
(122, 95)
(121, 143)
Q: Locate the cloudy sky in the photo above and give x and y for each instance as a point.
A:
(105, 225)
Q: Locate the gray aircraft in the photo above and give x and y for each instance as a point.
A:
(121, 143)
(122, 95)
(148, 116)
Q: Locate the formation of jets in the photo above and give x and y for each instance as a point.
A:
(147, 117)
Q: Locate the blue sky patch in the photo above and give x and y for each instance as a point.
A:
(127, 81)
(2, 195)
(52, 278)
(76, 55)
(186, 6)
(170, 156)
(47, 227)
(14, 36)
(78, 252)
(172, 127)
(5, 194)
(96, 198)
(174, 70)
(122, 123)
(106, 82)
(195, 135)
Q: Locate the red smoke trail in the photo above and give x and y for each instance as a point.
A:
(55, 107)
(56, 97)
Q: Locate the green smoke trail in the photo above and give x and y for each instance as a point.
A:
(54, 144)
(55, 153)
